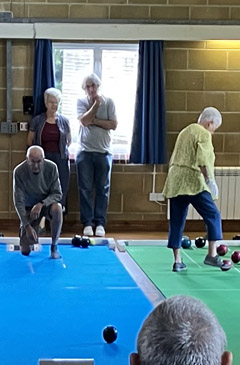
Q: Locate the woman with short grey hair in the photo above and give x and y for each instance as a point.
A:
(52, 91)
(51, 130)
(210, 114)
(191, 180)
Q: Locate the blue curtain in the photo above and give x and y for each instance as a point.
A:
(43, 73)
(149, 129)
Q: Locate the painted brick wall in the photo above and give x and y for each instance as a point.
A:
(126, 9)
(197, 74)
(200, 74)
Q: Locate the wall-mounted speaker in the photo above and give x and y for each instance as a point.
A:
(27, 105)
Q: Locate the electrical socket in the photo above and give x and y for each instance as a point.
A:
(156, 197)
(9, 128)
(23, 126)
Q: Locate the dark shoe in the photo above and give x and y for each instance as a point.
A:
(213, 261)
(25, 246)
(54, 253)
(25, 250)
(179, 266)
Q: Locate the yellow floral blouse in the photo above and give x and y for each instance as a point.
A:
(193, 148)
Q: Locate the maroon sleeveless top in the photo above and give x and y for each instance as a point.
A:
(50, 138)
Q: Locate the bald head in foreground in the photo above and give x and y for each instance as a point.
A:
(181, 330)
(37, 193)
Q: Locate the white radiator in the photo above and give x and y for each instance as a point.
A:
(228, 181)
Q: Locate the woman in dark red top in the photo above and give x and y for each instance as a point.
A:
(51, 130)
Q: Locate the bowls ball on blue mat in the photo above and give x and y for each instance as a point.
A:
(76, 240)
(110, 334)
(79, 241)
(85, 242)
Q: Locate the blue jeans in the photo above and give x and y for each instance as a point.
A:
(204, 205)
(94, 174)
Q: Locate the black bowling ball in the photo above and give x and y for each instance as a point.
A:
(200, 242)
(79, 241)
(85, 242)
(110, 334)
(76, 240)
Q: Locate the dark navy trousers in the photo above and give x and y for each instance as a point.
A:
(63, 165)
(94, 176)
(204, 205)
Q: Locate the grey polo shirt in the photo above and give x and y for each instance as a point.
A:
(93, 138)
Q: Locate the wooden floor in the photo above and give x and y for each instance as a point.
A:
(135, 230)
(126, 234)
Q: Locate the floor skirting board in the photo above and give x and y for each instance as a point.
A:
(129, 226)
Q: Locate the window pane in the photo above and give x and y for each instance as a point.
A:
(76, 64)
(119, 75)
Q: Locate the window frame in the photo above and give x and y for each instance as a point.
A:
(98, 48)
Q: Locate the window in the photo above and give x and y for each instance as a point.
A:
(116, 65)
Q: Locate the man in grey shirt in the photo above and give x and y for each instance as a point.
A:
(37, 193)
(94, 161)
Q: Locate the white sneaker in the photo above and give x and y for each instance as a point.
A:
(88, 231)
(100, 231)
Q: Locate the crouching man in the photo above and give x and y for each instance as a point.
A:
(37, 193)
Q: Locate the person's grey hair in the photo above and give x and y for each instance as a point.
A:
(35, 148)
(91, 78)
(210, 114)
(52, 91)
(181, 330)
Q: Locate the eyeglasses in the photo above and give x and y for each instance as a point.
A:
(53, 102)
(88, 86)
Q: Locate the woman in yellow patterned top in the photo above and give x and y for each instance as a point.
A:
(191, 180)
